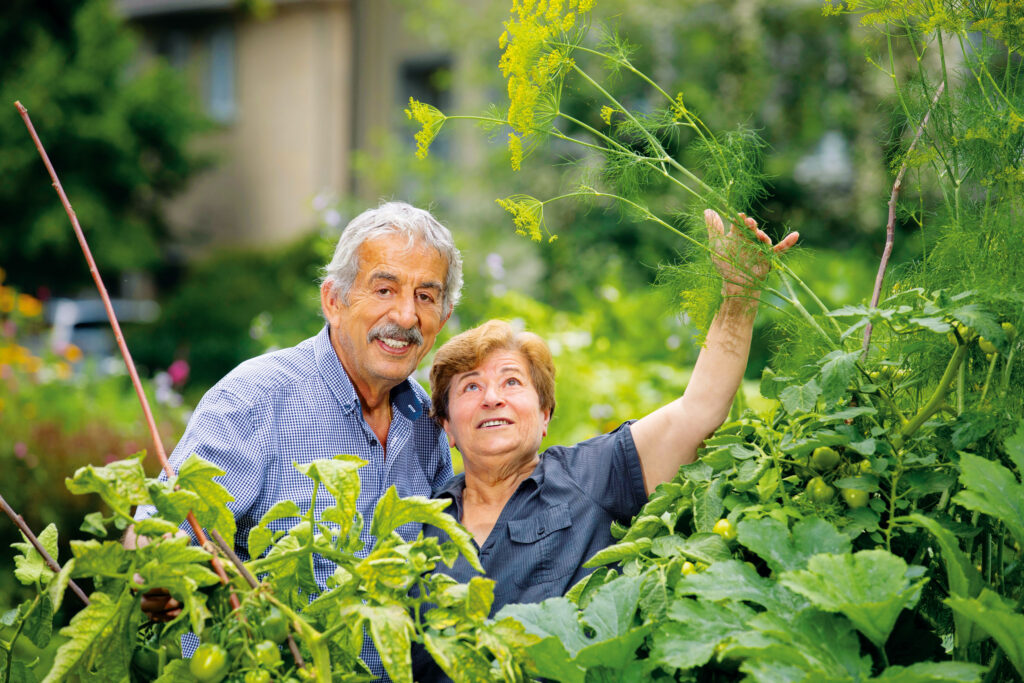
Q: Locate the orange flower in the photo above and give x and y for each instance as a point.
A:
(6, 299)
(72, 353)
(29, 306)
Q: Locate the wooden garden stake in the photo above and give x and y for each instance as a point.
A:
(129, 363)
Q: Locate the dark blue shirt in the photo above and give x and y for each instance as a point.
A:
(556, 520)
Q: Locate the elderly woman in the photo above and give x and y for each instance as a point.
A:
(537, 517)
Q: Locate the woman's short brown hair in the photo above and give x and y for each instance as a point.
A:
(467, 350)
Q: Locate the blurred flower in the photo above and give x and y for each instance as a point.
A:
(29, 306)
(601, 411)
(610, 293)
(178, 372)
(332, 218)
(322, 201)
(672, 342)
(495, 265)
(20, 450)
(7, 299)
(72, 353)
(62, 370)
(32, 364)
(3, 274)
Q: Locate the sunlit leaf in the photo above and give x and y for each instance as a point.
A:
(870, 587)
(392, 512)
(997, 618)
(121, 484)
(100, 637)
(29, 566)
(992, 489)
(735, 580)
(197, 475)
(783, 550)
(697, 626)
(800, 398)
(933, 672)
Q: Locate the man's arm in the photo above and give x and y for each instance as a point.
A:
(670, 436)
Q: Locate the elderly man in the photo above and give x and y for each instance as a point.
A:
(391, 286)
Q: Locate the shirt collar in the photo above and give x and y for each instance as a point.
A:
(403, 396)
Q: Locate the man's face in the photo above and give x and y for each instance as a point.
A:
(392, 315)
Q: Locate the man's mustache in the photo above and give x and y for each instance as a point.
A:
(392, 330)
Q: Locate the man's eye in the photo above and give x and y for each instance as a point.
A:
(383, 291)
(426, 297)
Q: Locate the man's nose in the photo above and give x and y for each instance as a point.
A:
(404, 312)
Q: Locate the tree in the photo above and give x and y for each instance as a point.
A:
(116, 131)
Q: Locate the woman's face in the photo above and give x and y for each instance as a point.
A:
(494, 410)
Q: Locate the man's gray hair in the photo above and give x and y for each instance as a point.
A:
(389, 219)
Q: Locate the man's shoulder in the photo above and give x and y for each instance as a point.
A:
(258, 377)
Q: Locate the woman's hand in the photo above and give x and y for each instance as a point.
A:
(740, 262)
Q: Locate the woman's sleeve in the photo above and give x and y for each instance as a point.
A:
(607, 469)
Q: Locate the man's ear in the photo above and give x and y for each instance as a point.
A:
(330, 299)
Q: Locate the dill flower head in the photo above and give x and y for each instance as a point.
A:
(528, 215)
(529, 61)
(430, 119)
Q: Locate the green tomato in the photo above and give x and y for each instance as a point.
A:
(725, 529)
(1010, 330)
(824, 458)
(275, 626)
(146, 661)
(865, 466)
(688, 568)
(855, 498)
(267, 654)
(819, 491)
(258, 676)
(987, 346)
(209, 663)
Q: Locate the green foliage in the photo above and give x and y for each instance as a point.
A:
(117, 132)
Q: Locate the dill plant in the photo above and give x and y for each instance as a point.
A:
(548, 47)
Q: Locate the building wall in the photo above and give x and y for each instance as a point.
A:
(288, 135)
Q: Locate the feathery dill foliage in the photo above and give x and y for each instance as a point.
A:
(965, 180)
(545, 48)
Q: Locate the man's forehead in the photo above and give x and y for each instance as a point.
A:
(395, 257)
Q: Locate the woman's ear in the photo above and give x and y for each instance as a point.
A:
(546, 414)
(448, 432)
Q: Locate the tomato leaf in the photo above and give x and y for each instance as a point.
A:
(100, 558)
(697, 626)
(1014, 446)
(121, 484)
(772, 541)
(29, 567)
(176, 671)
(460, 660)
(391, 628)
(709, 504)
(822, 646)
(800, 398)
(392, 512)
(260, 536)
(734, 580)
(38, 624)
(836, 372)
(340, 477)
(992, 489)
(870, 587)
(998, 618)
(933, 672)
(172, 504)
(210, 508)
(100, 638)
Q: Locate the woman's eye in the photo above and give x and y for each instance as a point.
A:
(514, 381)
(472, 386)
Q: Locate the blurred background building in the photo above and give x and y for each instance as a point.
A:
(294, 87)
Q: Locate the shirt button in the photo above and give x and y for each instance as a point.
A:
(540, 531)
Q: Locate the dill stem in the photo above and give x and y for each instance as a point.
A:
(953, 369)
(594, 131)
(810, 292)
(794, 301)
(988, 376)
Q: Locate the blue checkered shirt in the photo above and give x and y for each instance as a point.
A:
(298, 405)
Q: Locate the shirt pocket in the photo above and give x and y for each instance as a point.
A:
(537, 544)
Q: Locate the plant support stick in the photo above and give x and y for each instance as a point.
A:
(132, 372)
(890, 226)
(50, 562)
